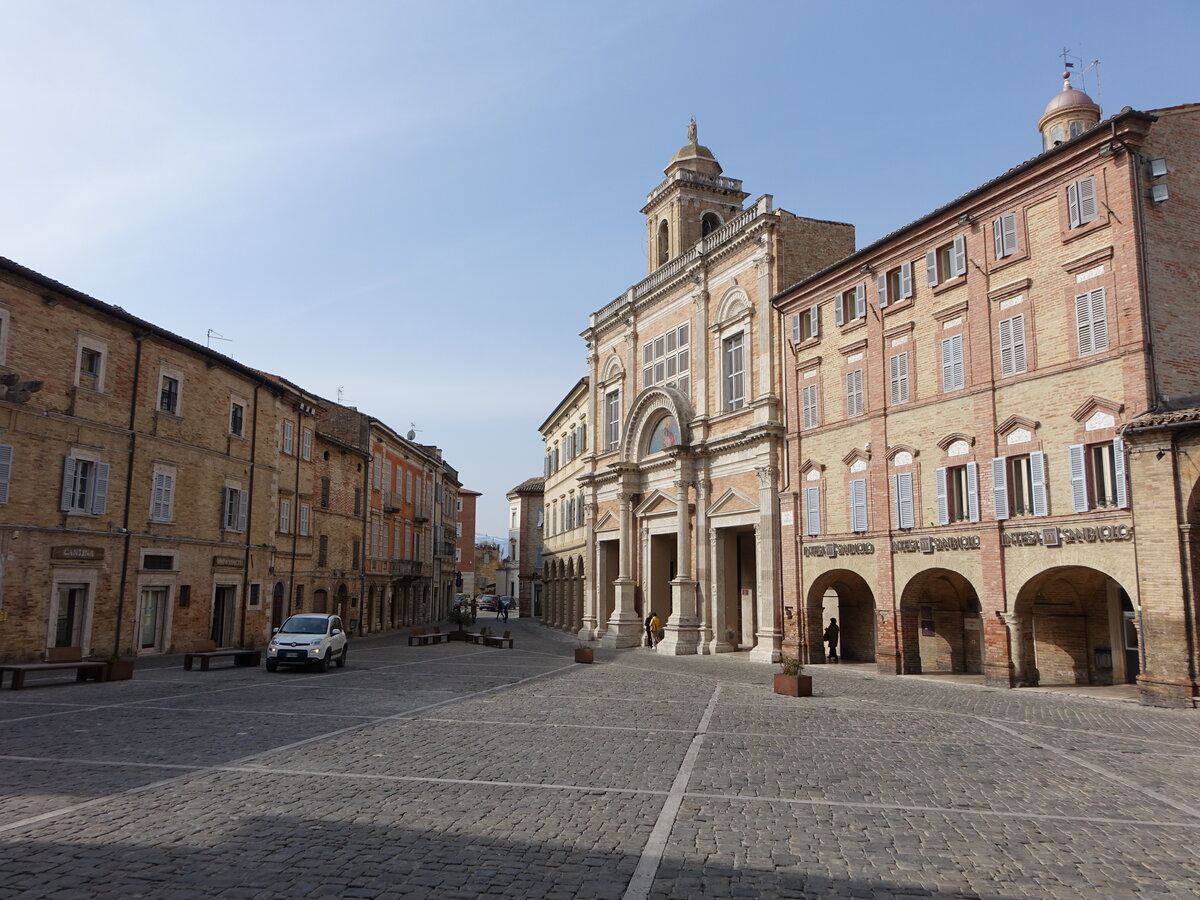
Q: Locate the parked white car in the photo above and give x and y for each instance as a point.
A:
(311, 639)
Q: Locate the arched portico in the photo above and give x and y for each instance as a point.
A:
(940, 625)
(846, 596)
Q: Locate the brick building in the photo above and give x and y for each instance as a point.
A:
(959, 393)
(521, 574)
(565, 433)
(684, 374)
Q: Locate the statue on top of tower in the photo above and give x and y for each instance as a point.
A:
(692, 131)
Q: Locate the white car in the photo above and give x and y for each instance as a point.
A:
(310, 639)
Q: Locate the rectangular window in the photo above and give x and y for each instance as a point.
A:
(1098, 475)
(355, 548)
(666, 359)
(809, 402)
(898, 377)
(285, 516)
(958, 494)
(162, 496)
(946, 262)
(806, 324)
(894, 285)
(1004, 235)
(735, 372)
(305, 512)
(905, 510)
(237, 418)
(235, 509)
(1019, 485)
(1012, 345)
(612, 419)
(159, 561)
(255, 599)
(289, 434)
(858, 505)
(1081, 201)
(6, 455)
(168, 395)
(854, 393)
(850, 305)
(306, 439)
(84, 485)
(1091, 321)
(952, 363)
(323, 551)
(89, 362)
(325, 492)
(357, 501)
(812, 511)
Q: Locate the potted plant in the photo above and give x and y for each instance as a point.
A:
(584, 654)
(791, 680)
(120, 667)
(461, 617)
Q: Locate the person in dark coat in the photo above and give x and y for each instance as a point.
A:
(831, 638)
(649, 633)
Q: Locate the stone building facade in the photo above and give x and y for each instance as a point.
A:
(521, 575)
(464, 542)
(957, 470)
(681, 511)
(565, 434)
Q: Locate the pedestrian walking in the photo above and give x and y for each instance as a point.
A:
(656, 628)
(649, 633)
(504, 603)
(474, 609)
(831, 638)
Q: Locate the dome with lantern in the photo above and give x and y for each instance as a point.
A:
(1069, 113)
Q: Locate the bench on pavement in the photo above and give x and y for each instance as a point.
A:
(491, 640)
(57, 658)
(206, 652)
(421, 637)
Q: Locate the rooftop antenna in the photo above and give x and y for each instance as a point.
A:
(212, 335)
(1069, 61)
(412, 432)
(341, 390)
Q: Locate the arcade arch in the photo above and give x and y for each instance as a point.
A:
(846, 596)
(941, 630)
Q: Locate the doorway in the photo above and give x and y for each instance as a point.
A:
(152, 625)
(223, 615)
(72, 607)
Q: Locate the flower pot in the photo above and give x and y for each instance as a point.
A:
(119, 670)
(794, 685)
(585, 655)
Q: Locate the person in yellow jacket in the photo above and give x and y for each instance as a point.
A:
(656, 628)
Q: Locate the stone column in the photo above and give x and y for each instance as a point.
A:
(703, 562)
(716, 594)
(1016, 647)
(624, 627)
(682, 632)
(591, 586)
(766, 553)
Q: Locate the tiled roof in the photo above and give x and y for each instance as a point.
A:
(1160, 418)
(530, 486)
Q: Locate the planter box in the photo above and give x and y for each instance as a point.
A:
(794, 685)
(585, 655)
(119, 670)
(456, 636)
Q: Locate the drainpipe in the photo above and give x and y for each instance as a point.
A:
(297, 445)
(249, 518)
(133, 399)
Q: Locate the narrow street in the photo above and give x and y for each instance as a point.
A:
(460, 771)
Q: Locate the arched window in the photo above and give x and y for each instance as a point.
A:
(664, 435)
(1057, 135)
(1076, 128)
(664, 243)
(710, 223)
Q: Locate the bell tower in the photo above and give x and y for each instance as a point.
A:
(694, 200)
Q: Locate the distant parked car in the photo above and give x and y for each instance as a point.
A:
(489, 602)
(310, 639)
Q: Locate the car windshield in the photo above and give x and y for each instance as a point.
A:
(304, 625)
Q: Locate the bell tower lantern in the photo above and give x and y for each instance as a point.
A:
(693, 201)
(1071, 112)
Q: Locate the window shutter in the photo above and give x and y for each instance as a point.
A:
(1000, 488)
(6, 452)
(858, 504)
(795, 328)
(1083, 323)
(838, 312)
(809, 395)
(904, 501)
(881, 289)
(931, 268)
(67, 480)
(943, 501)
(1073, 204)
(815, 320)
(860, 301)
(973, 492)
(1008, 227)
(1087, 199)
(905, 280)
(1079, 495)
(812, 511)
(947, 364)
(1119, 473)
(957, 344)
(1099, 318)
(998, 237)
(100, 490)
(960, 256)
(160, 509)
(1037, 482)
(304, 511)
(1006, 347)
(1018, 343)
(243, 510)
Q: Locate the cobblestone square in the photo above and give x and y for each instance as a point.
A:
(460, 771)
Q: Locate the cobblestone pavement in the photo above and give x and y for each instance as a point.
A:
(461, 771)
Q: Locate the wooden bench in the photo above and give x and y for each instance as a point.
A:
(421, 637)
(490, 640)
(206, 652)
(57, 658)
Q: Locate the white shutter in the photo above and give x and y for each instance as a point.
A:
(1000, 488)
(959, 373)
(1083, 323)
(948, 364)
(1008, 228)
(960, 256)
(304, 520)
(809, 395)
(899, 373)
(881, 290)
(858, 504)
(905, 280)
(285, 516)
(812, 511)
(1087, 199)
(1018, 343)
(1079, 494)
(943, 501)
(243, 509)
(998, 237)
(68, 480)
(931, 268)
(160, 503)
(100, 490)
(904, 501)
(6, 453)
(1037, 482)
(1073, 204)
(1099, 317)
(815, 321)
(1118, 446)
(973, 492)
(860, 301)
(796, 328)
(1006, 347)
(839, 314)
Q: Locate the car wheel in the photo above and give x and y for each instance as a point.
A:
(341, 660)
(272, 665)
(323, 665)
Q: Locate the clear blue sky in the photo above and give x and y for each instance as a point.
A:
(422, 202)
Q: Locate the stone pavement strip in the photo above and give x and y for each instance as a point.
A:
(460, 771)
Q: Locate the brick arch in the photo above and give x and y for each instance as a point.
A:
(940, 625)
(856, 615)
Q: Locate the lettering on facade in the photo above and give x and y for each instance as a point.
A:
(931, 544)
(1055, 536)
(857, 548)
(228, 562)
(88, 553)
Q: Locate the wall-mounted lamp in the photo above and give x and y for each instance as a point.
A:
(1159, 193)
(966, 219)
(1160, 454)
(1158, 167)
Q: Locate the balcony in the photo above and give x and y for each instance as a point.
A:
(391, 502)
(402, 568)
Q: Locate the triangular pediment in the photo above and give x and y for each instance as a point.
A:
(607, 522)
(732, 501)
(656, 503)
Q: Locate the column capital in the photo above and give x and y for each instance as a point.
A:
(767, 475)
(1009, 618)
